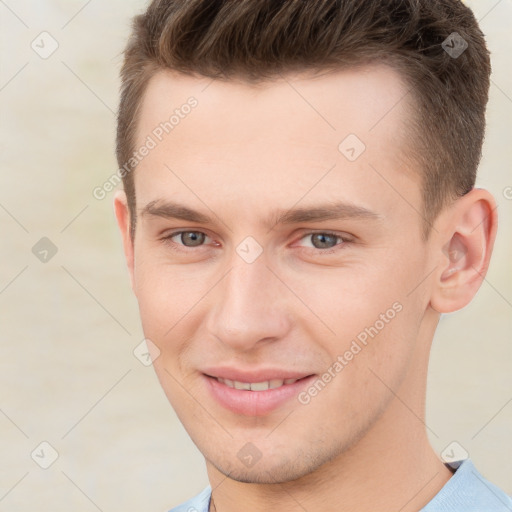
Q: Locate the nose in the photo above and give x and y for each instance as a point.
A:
(251, 307)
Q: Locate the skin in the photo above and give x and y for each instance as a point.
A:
(244, 151)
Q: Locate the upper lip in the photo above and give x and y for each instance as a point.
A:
(259, 375)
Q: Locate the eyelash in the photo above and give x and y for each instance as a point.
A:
(344, 241)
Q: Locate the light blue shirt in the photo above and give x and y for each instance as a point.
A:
(466, 491)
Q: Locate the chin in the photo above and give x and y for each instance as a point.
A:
(275, 470)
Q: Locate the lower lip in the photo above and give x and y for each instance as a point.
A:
(254, 403)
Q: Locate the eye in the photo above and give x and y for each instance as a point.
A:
(189, 239)
(324, 240)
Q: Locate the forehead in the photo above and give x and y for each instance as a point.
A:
(282, 134)
(364, 99)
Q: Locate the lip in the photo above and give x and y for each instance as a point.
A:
(260, 375)
(254, 403)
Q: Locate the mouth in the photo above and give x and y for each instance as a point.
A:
(255, 398)
(257, 386)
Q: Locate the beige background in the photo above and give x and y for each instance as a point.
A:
(69, 326)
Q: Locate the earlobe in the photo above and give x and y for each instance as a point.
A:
(468, 234)
(123, 221)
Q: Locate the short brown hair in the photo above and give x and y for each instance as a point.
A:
(254, 40)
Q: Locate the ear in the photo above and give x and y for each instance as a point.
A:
(123, 221)
(467, 233)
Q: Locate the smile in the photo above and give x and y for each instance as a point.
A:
(257, 386)
(255, 398)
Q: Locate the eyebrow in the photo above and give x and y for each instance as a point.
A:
(316, 213)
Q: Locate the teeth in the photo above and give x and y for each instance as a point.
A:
(259, 386)
(277, 383)
(256, 386)
(241, 385)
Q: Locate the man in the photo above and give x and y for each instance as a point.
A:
(298, 211)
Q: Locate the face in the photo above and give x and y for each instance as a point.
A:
(278, 237)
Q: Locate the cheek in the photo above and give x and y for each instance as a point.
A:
(173, 303)
(163, 295)
(373, 320)
(364, 363)
(169, 302)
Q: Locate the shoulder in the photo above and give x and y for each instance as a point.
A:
(468, 491)
(199, 503)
